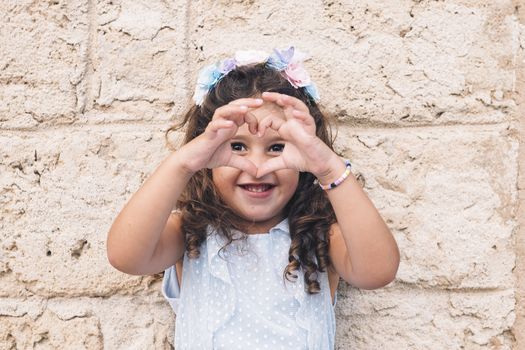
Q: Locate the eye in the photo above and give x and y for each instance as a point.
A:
(278, 147)
(238, 147)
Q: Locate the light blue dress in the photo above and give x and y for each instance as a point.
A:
(237, 299)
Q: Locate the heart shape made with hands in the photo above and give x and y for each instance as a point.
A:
(290, 118)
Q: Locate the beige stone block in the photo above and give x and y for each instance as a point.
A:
(424, 319)
(450, 197)
(13, 307)
(43, 56)
(140, 64)
(60, 190)
(140, 323)
(399, 63)
(48, 331)
(117, 322)
(125, 322)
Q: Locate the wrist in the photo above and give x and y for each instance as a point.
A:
(179, 165)
(336, 168)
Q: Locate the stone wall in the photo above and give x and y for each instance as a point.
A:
(430, 100)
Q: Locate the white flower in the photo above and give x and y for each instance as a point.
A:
(299, 57)
(250, 56)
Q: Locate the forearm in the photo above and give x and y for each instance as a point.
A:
(372, 250)
(135, 232)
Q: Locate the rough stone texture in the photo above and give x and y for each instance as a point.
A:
(449, 199)
(411, 318)
(430, 100)
(139, 60)
(398, 62)
(42, 60)
(49, 332)
(120, 322)
(55, 185)
(448, 195)
(519, 326)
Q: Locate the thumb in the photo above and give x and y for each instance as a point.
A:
(271, 165)
(242, 164)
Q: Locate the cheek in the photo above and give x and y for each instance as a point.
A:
(214, 175)
(290, 178)
(223, 178)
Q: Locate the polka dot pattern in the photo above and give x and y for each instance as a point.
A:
(264, 310)
(237, 299)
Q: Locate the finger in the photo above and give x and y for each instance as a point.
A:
(271, 165)
(216, 125)
(271, 122)
(249, 102)
(239, 114)
(231, 112)
(220, 130)
(251, 120)
(242, 164)
(285, 100)
(304, 117)
(274, 97)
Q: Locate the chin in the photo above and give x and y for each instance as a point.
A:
(265, 222)
(260, 217)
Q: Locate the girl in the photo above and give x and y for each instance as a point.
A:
(268, 217)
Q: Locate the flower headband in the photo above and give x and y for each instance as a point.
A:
(289, 62)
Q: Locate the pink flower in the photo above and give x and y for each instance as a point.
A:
(297, 75)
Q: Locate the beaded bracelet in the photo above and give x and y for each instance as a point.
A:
(339, 180)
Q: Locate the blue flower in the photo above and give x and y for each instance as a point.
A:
(209, 76)
(313, 92)
(289, 62)
(281, 58)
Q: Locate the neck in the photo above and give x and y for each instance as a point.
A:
(253, 228)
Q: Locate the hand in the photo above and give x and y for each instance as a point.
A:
(303, 150)
(212, 148)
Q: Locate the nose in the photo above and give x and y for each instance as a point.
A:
(258, 156)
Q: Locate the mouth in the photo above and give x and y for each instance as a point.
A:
(257, 188)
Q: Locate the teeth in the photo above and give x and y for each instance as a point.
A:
(258, 188)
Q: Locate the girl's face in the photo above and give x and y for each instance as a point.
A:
(259, 202)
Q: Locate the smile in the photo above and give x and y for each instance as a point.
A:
(257, 188)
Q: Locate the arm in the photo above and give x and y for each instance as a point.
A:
(145, 238)
(362, 247)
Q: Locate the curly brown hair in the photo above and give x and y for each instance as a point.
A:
(309, 211)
